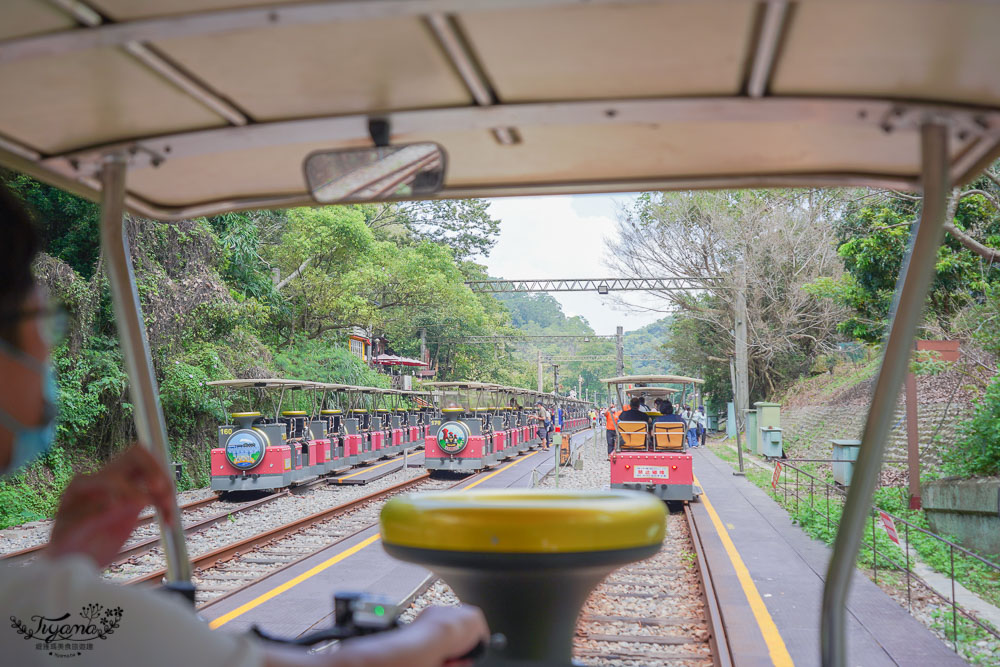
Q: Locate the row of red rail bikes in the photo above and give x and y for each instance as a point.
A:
(478, 425)
(652, 455)
(289, 432)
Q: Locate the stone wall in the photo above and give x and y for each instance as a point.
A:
(807, 430)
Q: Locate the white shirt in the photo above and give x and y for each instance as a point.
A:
(141, 627)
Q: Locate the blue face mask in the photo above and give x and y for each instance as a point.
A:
(31, 442)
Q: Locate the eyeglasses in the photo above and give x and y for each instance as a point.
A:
(52, 322)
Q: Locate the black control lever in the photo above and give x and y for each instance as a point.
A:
(359, 614)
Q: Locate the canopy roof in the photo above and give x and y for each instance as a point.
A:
(651, 391)
(265, 383)
(216, 103)
(652, 379)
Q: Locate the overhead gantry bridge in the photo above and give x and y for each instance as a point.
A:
(599, 285)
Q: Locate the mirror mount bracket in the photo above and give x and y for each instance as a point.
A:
(378, 130)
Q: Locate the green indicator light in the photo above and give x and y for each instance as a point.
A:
(379, 610)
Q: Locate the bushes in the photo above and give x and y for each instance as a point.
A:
(977, 452)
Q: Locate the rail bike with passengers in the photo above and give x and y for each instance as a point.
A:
(172, 111)
(478, 424)
(299, 431)
(652, 455)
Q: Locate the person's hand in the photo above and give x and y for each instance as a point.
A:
(98, 512)
(450, 633)
(439, 636)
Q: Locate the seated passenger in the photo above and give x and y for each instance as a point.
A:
(633, 414)
(667, 408)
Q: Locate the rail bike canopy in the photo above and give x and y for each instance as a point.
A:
(215, 106)
(652, 379)
(265, 383)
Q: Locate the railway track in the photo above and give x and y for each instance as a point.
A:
(658, 611)
(197, 516)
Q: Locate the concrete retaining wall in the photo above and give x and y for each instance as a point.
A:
(968, 509)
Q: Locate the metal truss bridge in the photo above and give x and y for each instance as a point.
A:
(599, 285)
(552, 338)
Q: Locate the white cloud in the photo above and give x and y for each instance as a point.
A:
(564, 237)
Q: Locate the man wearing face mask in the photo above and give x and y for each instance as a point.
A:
(62, 593)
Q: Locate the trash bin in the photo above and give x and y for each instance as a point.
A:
(847, 452)
(770, 442)
(751, 432)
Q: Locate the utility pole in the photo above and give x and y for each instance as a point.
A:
(620, 350)
(739, 447)
(423, 344)
(742, 383)
(539, 371)
(579, 386)
(555, 378)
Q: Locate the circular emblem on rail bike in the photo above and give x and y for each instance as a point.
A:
(245, 449)
(453, 437)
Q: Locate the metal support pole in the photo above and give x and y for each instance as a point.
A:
(555, 379)
(539, 371)
(911, 292)
(149, 423)
(620, 350)
(912, 441)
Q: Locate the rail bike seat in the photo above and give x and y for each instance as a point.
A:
(528, 558)
(668, 436)
(632, 436)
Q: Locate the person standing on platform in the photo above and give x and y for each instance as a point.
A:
(610, 424)
(692, 427)
(544, 417)
(702, 424)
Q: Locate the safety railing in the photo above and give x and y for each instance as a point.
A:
(794, 489)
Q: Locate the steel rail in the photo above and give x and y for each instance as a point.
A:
(718, 639)
(143, 520)
(228, 551)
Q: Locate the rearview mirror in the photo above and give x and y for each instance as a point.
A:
(371, 174)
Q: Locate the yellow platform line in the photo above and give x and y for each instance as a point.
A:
(346, 553)
(291, 583)
(775, 644)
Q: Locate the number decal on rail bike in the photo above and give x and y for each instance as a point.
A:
(453, 437)
(653, 472)
(245, 450)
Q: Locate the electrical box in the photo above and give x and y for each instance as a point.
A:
(770, 442)
(752, 435)
(845, 454)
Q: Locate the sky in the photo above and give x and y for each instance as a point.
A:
(564, 237)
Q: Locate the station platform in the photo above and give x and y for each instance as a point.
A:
(299, 599)
(769, 575)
